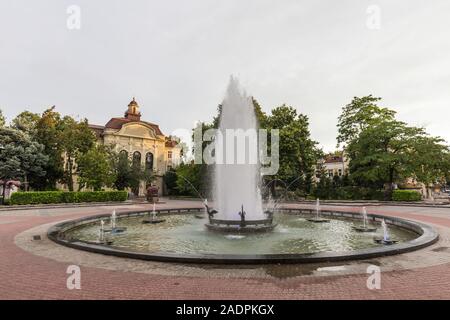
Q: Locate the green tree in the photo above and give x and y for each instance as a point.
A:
(2, 119)
(191, 180)
(26, 121)
(390, 151)
(358, 115)
(431, 161)
(19, 156)
(128, 174)
(170, 180)
(298, 152)
(95, 168)
(76, 139)
(48, 133)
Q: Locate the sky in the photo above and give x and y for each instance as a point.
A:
(176, 58)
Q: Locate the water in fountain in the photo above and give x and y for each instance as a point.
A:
(364, 214)
(237, 184)
(102, 230)
(386, 236)
(317, 208)
(154, 211)
(113, 220)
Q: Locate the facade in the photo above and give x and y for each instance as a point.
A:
(142, 141)
(334, 165)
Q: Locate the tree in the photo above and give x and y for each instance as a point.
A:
(76, 139)
(298, 152)
(384, 151)
(390, 151)
(2, 119)
(26, 121)
(191, 180)
(95, 168)
(19, 156)
(170, 180)
(48, 133)
(128, 174)
(431, 161)
(360, 114)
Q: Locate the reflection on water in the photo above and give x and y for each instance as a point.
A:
(183, 233)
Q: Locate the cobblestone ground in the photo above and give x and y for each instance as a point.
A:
(24, 275)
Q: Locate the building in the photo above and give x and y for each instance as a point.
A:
(142, 141)
(334, 165)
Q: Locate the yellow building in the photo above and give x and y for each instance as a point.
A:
(142, 141)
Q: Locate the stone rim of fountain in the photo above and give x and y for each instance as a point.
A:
(427, 236)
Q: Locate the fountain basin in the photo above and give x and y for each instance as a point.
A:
(251, 248)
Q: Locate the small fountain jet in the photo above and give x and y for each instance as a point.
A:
(153, 218)
(114, 229)
(386, 240)
(102, 238)
(318, 219)
(365, 227)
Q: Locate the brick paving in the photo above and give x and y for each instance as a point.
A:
(24, 275)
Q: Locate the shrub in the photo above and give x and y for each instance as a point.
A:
(406, 195)
(45, 197)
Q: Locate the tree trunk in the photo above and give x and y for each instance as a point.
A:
(69, 177)
(25, 182)
(388, 186)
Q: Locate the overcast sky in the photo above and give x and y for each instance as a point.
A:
(176, 58)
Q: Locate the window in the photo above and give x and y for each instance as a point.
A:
(340, 172)
(136, 158)
(123, 153)
(149, 161)
(169, 154)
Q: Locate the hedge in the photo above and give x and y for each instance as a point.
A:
(39, 197)
(406, 195)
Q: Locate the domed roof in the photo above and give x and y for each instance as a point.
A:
(133, 102)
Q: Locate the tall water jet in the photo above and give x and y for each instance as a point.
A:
(237, 169)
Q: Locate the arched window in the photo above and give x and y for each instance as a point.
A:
(123, 154)
(149, 162)
(136, 158)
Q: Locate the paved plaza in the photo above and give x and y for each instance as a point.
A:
(31, 269)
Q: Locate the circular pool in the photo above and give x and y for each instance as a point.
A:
(183, 237)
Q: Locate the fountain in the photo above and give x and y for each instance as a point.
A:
(114, 229)
(386, 237)
(237, 183)
(365, 227)
(153, 217)
(237, 216)
(317, 218)
(102, 238)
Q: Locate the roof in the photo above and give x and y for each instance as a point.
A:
(117, 123)
(333, 159)
(98, 130)
(171, 143)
